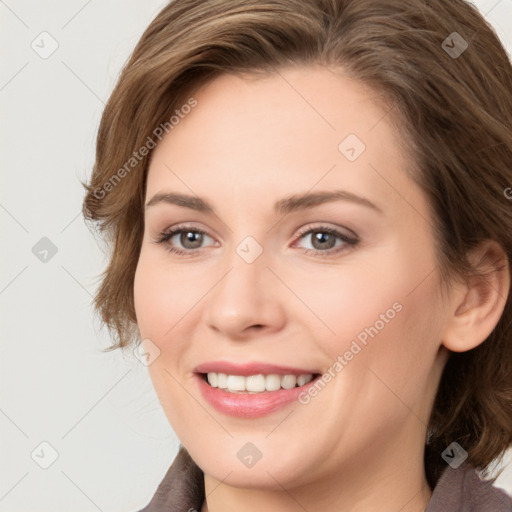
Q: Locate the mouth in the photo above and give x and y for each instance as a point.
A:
(252, 390)
(259, 383)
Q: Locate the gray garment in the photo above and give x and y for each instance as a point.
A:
(462, 490)
(458, 490)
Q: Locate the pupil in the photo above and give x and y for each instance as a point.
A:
(322, 237)
(192, 237)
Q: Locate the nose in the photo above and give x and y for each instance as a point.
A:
(246, 301)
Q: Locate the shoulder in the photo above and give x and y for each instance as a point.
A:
(463, 489)
(182, 488)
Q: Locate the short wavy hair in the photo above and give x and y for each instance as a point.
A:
(451, 104)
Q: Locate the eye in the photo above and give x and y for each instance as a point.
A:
(324, 240)
(190, 237)
(191, 240)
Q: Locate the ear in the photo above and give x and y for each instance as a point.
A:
(478, 305)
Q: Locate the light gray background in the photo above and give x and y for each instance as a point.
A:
(98, 411)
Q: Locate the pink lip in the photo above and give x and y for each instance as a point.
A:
(247, 405)
(253, 368)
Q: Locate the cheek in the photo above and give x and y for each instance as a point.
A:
(396, 337)
(147, 299)
(352, 302)
(162, 296)
(386, 317)
(163, 300)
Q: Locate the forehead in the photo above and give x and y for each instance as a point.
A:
(283, 132)
(297, 100)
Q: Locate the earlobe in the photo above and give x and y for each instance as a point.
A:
(479, 304)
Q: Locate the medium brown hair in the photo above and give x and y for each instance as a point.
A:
(454, 114)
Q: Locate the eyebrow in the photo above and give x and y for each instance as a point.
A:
(283, 206)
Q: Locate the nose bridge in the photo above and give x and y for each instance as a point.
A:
(246, 264)
(243, 297)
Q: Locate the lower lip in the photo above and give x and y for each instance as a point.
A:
(245, 405)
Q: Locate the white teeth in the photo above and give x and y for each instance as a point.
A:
(303, 379)
(212, 379)
(288, 381)
(236, 383)
(222, 380)
(272, 382)
(256, 383)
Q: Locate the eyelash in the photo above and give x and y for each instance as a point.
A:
(165, 236)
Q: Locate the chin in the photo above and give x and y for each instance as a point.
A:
(239, 463)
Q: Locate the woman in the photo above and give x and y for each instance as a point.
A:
(370, 374)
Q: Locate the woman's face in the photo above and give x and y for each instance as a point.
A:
(342, 287)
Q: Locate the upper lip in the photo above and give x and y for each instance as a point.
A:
(252, 368)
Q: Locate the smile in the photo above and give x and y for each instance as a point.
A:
(251, 390)
(256, 383)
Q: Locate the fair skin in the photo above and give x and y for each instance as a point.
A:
(358, 445)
